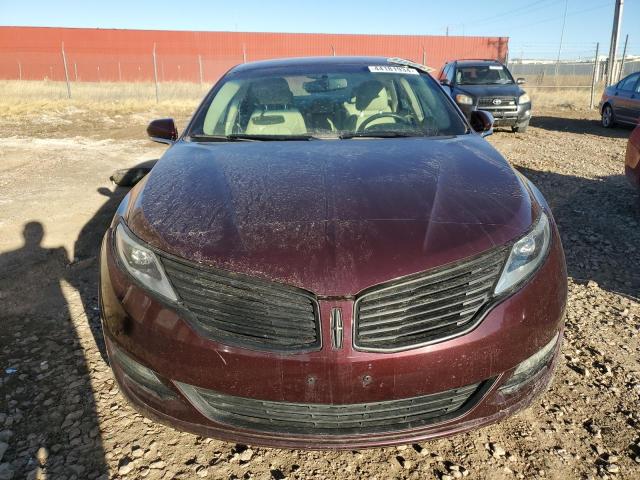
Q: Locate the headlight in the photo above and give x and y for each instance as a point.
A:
(524, 98)
(142, 263)
(464, 99)
(526, 255)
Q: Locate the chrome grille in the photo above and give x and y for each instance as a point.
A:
(328, 419)
(246, 311)
(426, 307)
(506, 103)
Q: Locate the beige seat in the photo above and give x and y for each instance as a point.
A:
(274, 113)
(371, 98)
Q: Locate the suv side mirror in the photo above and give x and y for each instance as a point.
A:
(521, 81)
(446, 82)
(482, 122)
(163, 131)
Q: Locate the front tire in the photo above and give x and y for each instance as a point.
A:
(608, 119)
(520, 128)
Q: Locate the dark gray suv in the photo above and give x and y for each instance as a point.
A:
(487, 85)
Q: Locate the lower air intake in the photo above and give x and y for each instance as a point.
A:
(325, 419)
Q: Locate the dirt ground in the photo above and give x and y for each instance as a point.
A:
(62, 416)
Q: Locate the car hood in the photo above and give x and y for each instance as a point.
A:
(331, 216)
(511, 90)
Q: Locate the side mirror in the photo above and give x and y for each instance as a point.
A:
(521, 81)
(445, 82)
(163, 131)
(482, 122)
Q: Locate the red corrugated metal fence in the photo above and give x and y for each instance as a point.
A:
(35, 53)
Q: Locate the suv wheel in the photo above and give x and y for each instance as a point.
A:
(520, 128)
(608, 120)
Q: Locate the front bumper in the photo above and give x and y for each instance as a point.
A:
(157, 337)
(504, 117)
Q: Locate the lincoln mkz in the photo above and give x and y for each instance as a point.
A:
(331, 256)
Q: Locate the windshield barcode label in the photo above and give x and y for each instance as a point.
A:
(392, 69)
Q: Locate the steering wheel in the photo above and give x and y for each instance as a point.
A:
(363, 126)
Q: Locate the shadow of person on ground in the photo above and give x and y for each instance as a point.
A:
(580, 126)
(45, 391)
(84, 272)
(599, 222)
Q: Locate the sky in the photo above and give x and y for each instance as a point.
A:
(534, 26)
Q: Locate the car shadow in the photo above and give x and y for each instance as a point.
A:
(599, 222)
(580, 126)
(85, 267)
(45, 382)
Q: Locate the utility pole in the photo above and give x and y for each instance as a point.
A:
(615, 34)
(624, 56)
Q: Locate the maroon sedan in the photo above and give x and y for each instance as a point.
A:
(632, 158)
(330, 256)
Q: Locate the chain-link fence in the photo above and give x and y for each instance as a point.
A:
(67, 71)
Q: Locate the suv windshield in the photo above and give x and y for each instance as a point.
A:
(482, 75)
(347, 101)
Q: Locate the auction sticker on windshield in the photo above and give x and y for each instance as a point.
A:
(392, 69)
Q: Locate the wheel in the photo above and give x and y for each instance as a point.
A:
(608, 119)
(520, 128)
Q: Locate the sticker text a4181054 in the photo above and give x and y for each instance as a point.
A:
(393, 69)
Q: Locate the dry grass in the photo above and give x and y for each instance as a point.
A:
(572, 98)
(109, 97)
(124, 98)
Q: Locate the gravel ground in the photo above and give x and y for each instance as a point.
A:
(62, 416)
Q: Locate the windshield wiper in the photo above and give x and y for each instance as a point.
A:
(242, 137)
(383, 134)
(245, 136)
(211, 138)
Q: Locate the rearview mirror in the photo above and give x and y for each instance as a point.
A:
(325, 84)
(163, 130)
(521, 81)
(445, 82)
(482, 122)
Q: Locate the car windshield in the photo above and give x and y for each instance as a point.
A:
(345, 102)
(483, 75)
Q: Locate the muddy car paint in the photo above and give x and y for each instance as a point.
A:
(333, 218)
(337, 217)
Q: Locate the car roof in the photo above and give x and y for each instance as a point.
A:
(478, 62)
(311, 61)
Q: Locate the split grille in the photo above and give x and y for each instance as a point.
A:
(426, 307)
(245, 311)
(327, 419)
